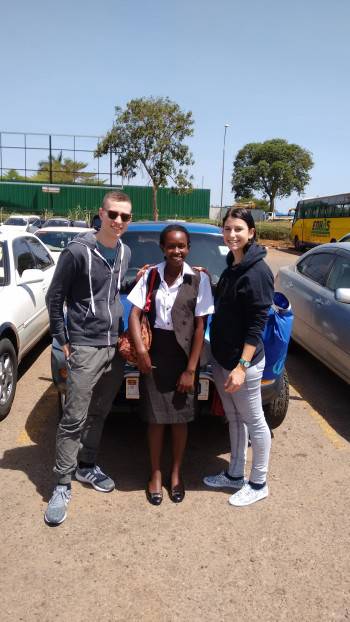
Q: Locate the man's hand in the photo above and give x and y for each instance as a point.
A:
(142, 270)
(66, 350)
(235, 380)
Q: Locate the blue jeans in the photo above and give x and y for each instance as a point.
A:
(245, 415)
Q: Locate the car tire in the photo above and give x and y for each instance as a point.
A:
(8, 376)
(61, 400)
(276, 411)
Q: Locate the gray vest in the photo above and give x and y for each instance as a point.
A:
(182, 313)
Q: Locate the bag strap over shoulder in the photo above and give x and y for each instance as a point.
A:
(153, 274)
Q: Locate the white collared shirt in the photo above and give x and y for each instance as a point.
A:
(165, 296)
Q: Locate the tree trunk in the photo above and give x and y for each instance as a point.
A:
(155, 209)
(272, 205)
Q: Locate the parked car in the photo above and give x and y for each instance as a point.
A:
(318, 287)
(57, 222)
(26, 270)
(96, 222)
(345, 238)
(207, 250)
(24, 223)
(57, 238)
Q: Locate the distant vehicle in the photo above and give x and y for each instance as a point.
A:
(57, 238)
(26, 270)
(320, 220)
(207, 250)
(57, 222)
(80, 223)
(96, 222)
(345, 238)
(24, 223)
(318, 288)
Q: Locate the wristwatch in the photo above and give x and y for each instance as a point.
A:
(244, 363)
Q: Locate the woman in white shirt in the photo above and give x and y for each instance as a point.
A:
(181, 300)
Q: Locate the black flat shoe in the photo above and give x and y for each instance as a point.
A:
(177, 493)
(154, 498)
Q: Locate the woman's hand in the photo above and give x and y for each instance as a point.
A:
(185, 383)
(235, 380)
(144, 362)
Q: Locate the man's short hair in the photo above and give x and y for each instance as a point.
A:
(115, 195)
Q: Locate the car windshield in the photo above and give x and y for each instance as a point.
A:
(18, 222)
(207, 250)
(56, 240)
(2, 265)
(56, 223)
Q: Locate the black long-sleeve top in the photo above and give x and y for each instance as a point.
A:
(243, 297)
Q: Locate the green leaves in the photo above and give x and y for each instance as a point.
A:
(150, 133)
(274, 168)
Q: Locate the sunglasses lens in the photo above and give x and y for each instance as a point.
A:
(113, 215)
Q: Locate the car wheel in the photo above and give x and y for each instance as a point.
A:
(61, 400)
(276, 411)
(8, 376)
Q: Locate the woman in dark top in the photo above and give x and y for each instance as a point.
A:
(242, 301)
(181, 298)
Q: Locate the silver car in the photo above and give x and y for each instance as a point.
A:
(318, 287)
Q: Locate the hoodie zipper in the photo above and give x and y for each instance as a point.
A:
(111, 269)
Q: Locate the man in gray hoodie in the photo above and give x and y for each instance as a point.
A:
(87, 279)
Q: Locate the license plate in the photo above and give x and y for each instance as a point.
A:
(203, 392)
(132, 388)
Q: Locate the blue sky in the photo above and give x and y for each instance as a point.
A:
(269, 68)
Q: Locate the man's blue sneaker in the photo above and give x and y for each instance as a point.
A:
(56, 510)
(96, 478)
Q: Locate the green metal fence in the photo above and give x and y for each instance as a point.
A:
(62, 199)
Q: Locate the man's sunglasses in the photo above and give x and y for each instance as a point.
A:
(113, 215)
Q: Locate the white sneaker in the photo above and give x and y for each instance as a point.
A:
(223, 480)
(248, 495)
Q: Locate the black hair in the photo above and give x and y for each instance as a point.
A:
(244, 214)
(170, 228)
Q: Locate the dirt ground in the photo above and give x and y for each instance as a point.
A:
(116, 558)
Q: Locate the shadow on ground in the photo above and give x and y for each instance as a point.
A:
(323, 390)
(123, 451)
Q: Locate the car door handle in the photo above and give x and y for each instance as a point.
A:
(319, 301)
(290, 284)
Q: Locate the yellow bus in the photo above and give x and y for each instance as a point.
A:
(320, 220)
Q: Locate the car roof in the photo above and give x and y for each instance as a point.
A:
(7, 234)
(25, 216)
(63, 230)
(192, 227)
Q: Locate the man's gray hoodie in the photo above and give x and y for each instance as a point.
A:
(88, 285)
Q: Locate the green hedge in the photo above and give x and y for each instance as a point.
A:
(274, 230)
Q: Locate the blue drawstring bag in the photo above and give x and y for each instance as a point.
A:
(276, 336)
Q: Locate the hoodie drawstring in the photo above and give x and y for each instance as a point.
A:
(90, 282)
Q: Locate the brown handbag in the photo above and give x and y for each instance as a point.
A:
(126, 345)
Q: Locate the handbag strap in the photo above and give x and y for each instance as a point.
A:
(147, 306)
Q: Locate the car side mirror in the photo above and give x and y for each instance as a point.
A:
(32, 275)
(342, 294)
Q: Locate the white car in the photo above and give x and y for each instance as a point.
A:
(26, 270)
(57, 238)
(22, 222)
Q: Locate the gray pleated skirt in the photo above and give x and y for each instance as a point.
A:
(160, 402)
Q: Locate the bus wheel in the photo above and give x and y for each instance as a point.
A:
(297, 245)
(333, 240)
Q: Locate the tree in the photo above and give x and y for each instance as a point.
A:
(12, 175)
(150, 133)
(64, 171)
(275, 168)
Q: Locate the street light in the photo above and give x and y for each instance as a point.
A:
(223, 163)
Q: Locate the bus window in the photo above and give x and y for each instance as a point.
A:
(338, 210)
(346, 210)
